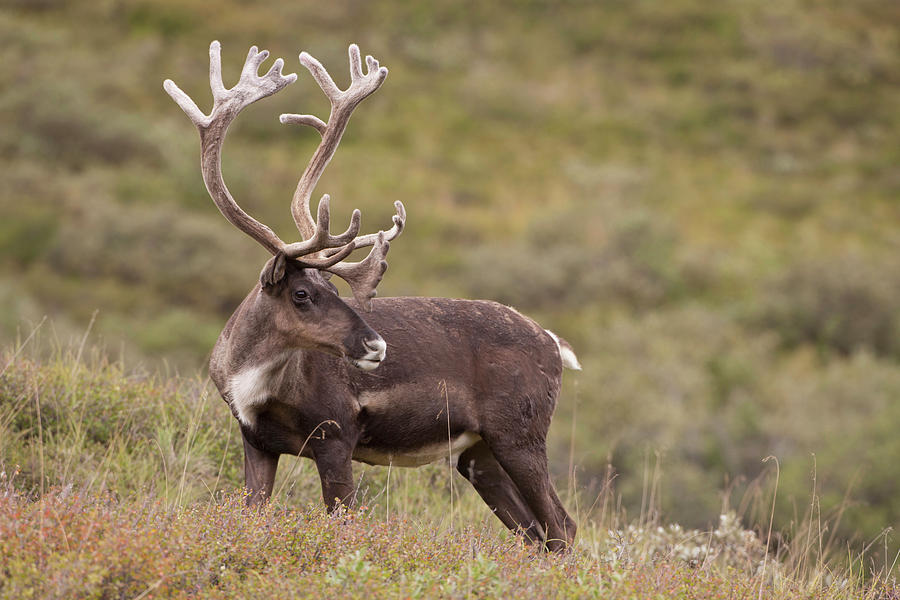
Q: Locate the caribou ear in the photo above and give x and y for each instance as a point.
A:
(273, 273)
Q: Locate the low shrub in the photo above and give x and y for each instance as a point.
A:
(841, 304)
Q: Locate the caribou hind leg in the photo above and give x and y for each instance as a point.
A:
(568, 524)
(526, 465)
(478, 465)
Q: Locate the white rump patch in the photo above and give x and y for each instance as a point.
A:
(569, 360)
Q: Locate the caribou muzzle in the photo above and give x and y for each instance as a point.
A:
(376, 351)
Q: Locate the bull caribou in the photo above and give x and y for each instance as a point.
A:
(392, 381)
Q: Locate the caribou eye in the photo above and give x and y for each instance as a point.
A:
(301, 296)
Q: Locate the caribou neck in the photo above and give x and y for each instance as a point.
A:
(253, 365)
(253, 339)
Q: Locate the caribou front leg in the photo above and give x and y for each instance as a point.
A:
(333, 461)
(259, 473)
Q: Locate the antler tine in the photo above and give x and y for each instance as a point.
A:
(399, 219)
(215, 71)
(227, 103)
(321, 238)
(365, 275)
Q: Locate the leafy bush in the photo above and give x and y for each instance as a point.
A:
(183, 260)
(843, 304)
(25, 238)
(559, 263)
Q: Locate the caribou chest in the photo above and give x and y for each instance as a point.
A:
(252, 386)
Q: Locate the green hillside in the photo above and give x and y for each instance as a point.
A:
(701, 197)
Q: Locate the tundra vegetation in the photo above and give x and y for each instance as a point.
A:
(117, 484)
(700, 197)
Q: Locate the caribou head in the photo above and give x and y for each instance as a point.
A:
(305, 312)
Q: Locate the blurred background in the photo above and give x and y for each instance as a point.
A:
(701, 197)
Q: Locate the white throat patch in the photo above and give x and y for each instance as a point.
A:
(250, 388)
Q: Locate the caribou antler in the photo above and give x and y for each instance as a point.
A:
(364, 276)
(227, 103)
(319, 249)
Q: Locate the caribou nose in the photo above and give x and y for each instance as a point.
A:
(377, 349)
